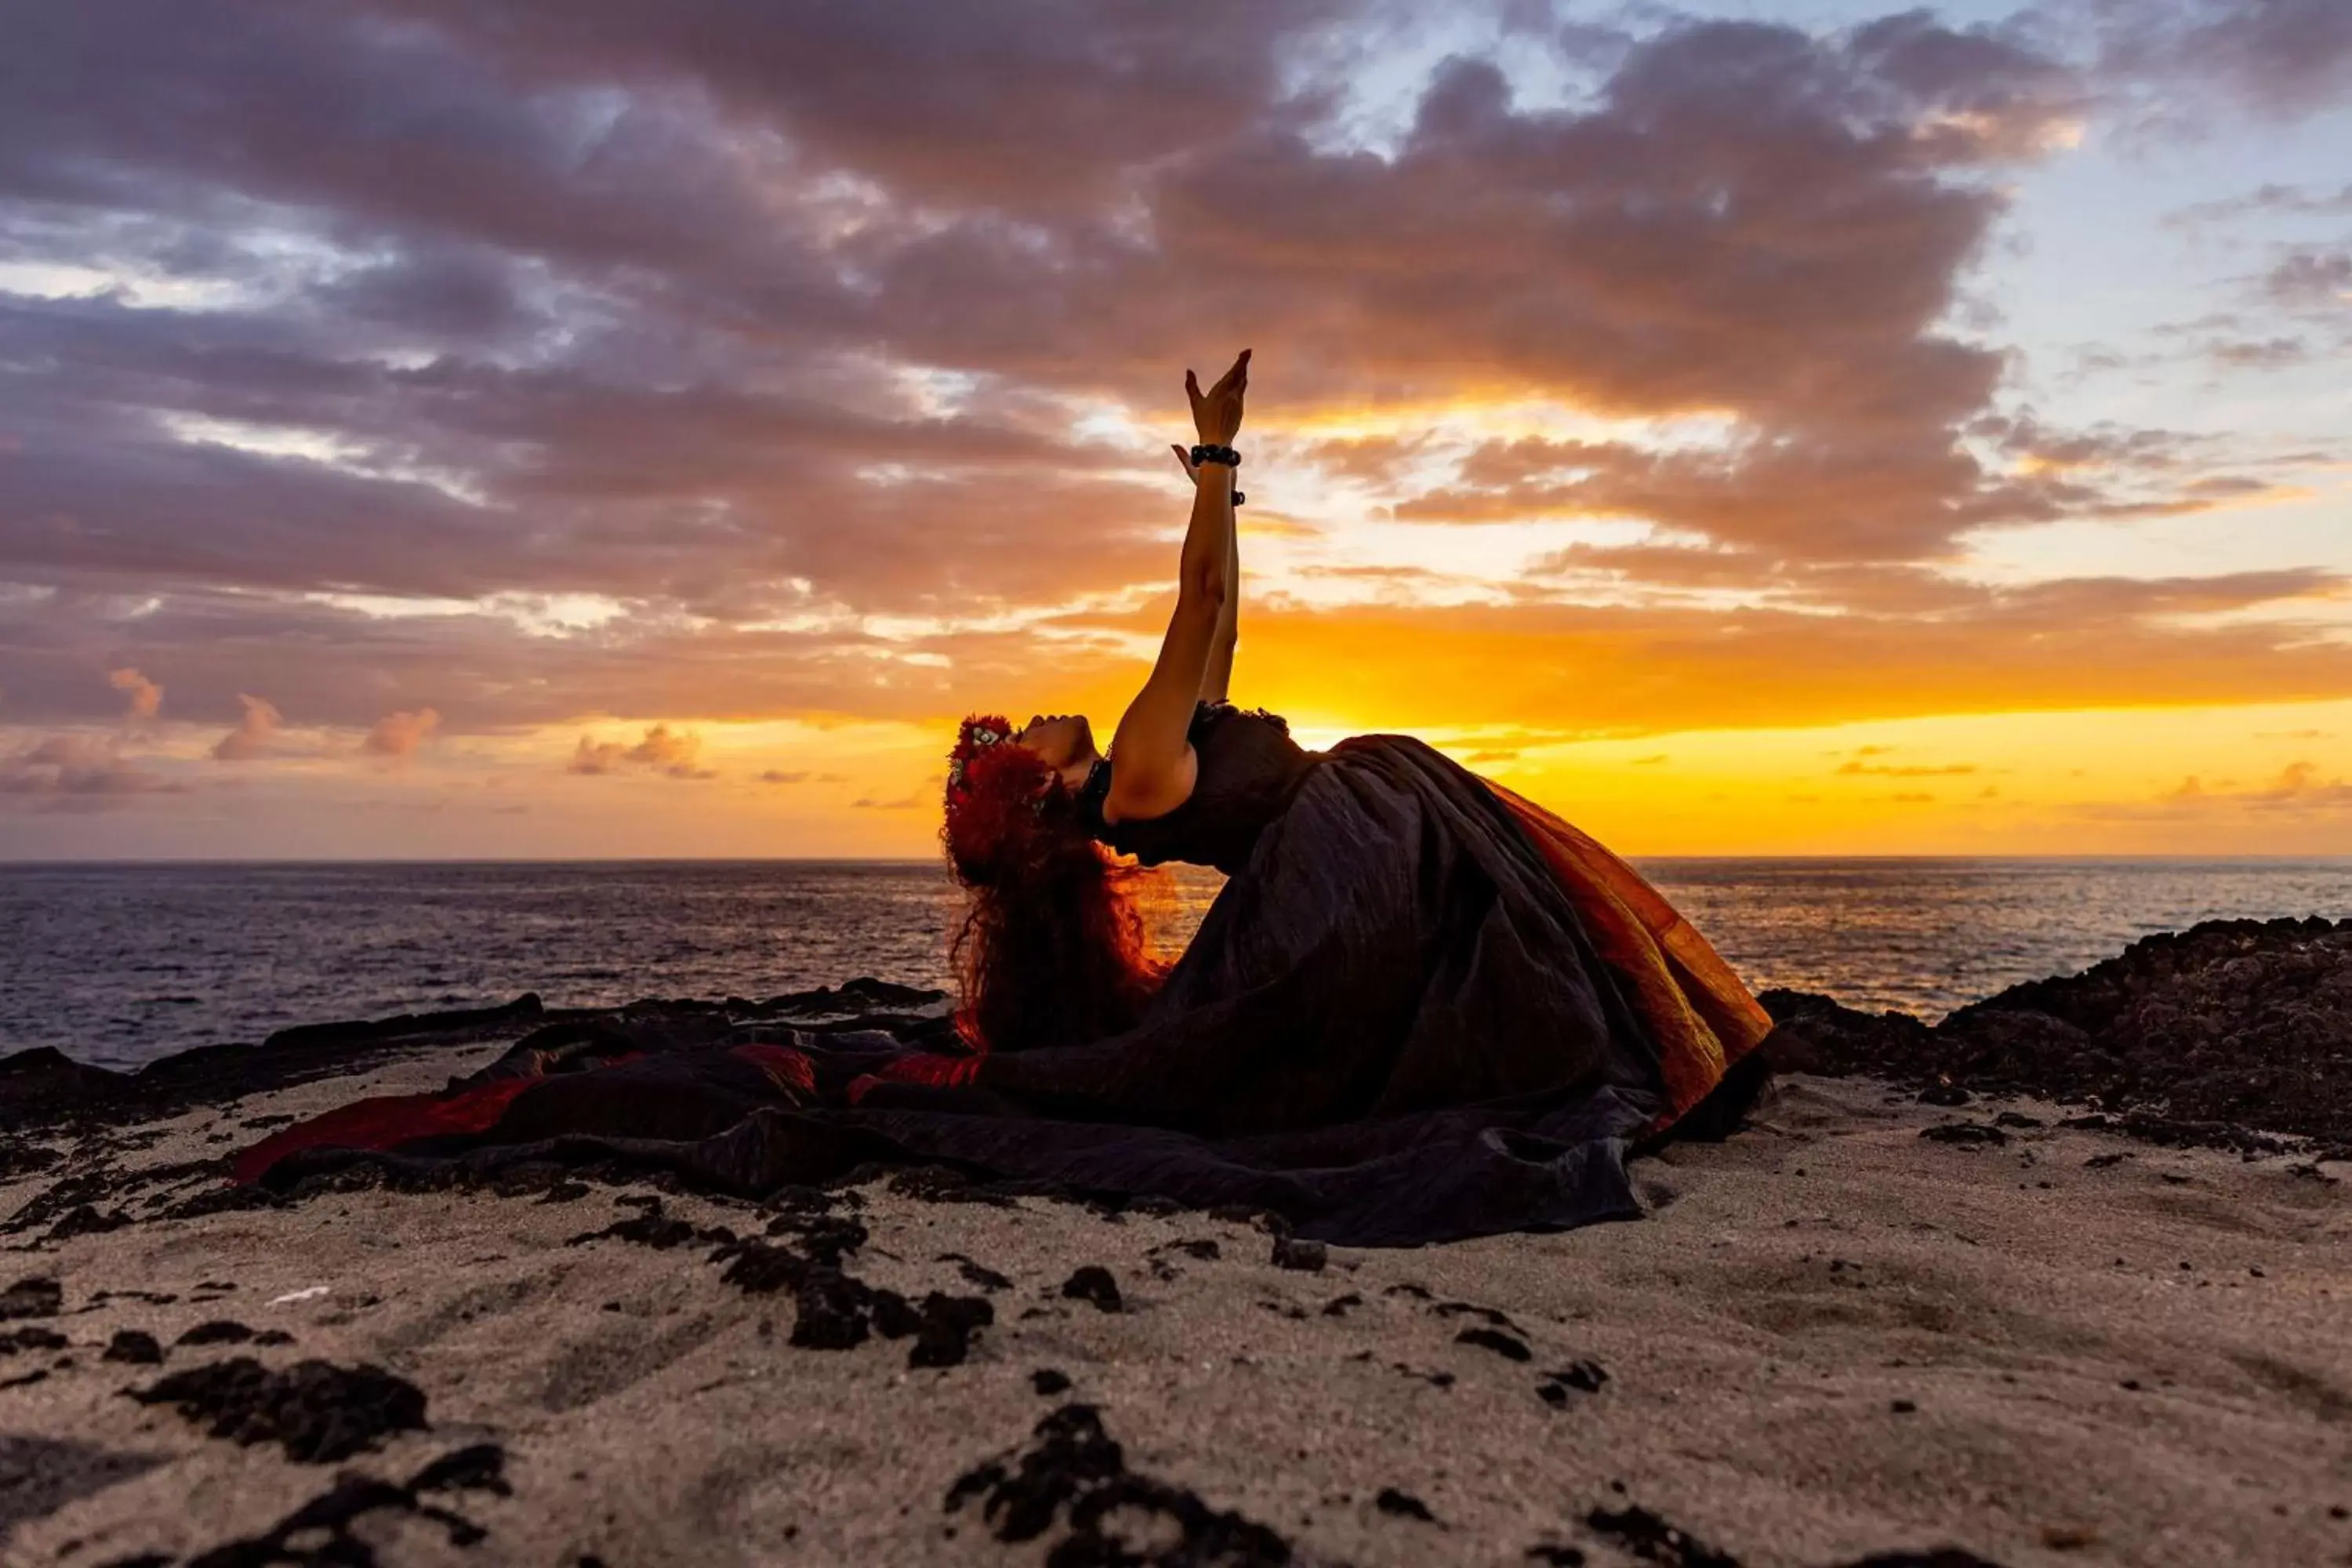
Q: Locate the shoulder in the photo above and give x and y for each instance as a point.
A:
(1128, 799)
(1210, 714)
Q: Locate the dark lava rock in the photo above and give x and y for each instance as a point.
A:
(650, 1228)
(1404, 1505)
(134, 1346)
(1308, 1256)
(320, 1531)
(1495, 1316)
(1075, 1472)
(1510, 1347)
(759, 1268)
(220, 1332)
(32, 1339)
(1577, 1377)
(823, 1239)
(832, 1311)
(835, 1311)
(1646, 1536)
(1093, 1284)
(33, 1298)
(1557, 1556)
(1341, 1306)
(944, 1327)
(1945, 1092)
(317, 1411)
(86, 1219)
(1934, 1557)
(2218, 1035)
(1585, 1376)
(39, 1476)
(1050, 1381)
(1978, 1133)
(21, 1159)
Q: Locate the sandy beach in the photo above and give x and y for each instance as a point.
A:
(1841, 1336)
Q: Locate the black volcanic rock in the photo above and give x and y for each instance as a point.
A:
(1095, 1284)
(316, 1410)
(37, 1297)
(2219, 1035)
(1074, 1473)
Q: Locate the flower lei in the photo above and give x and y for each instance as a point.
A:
(994, 792)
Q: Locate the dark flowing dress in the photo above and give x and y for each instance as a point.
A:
(1419, 1009)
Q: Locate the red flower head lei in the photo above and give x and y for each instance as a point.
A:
(994, 790)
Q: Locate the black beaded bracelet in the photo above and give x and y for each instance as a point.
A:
(1208, 454)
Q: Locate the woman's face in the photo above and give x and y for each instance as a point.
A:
(1064, 742)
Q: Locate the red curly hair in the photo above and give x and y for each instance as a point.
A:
(1052, 948)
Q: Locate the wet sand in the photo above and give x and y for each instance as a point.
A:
(1834, 1337)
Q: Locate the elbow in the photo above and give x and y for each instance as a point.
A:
(1208, 589)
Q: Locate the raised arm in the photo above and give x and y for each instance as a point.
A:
(1216, 682)
(1156, 767)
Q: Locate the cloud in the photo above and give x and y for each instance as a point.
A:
(2276, 58)
(399, 734)
(797, 344)
(777, 776)
(2298, 790)
(917, 801)
(2268, 353)
(146, 698)
(2312, 278)
(80, 772)
(663, 750)
(253, 734)
(1913, 771)
(2269, 199)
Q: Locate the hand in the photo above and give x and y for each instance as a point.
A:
(1217, 413)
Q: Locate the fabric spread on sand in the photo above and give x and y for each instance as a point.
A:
(1419, 1011)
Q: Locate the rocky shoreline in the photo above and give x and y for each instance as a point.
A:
(1917, 1313)
(2234, 1033)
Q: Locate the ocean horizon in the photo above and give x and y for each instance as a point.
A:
(117, 963)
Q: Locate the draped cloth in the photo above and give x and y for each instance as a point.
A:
(1701, 1015)
(1424, 1009)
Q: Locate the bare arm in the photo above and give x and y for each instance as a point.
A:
(1157, 767)
(1217, 683)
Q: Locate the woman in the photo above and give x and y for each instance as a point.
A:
(1399, 942)
(1421, 1008)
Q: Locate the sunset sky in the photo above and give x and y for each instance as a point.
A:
(505, 427)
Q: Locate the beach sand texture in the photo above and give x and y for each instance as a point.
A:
(1832, 1337)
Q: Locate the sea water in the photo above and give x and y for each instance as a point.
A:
(118, 964)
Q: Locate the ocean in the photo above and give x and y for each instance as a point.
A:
(118, 964)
